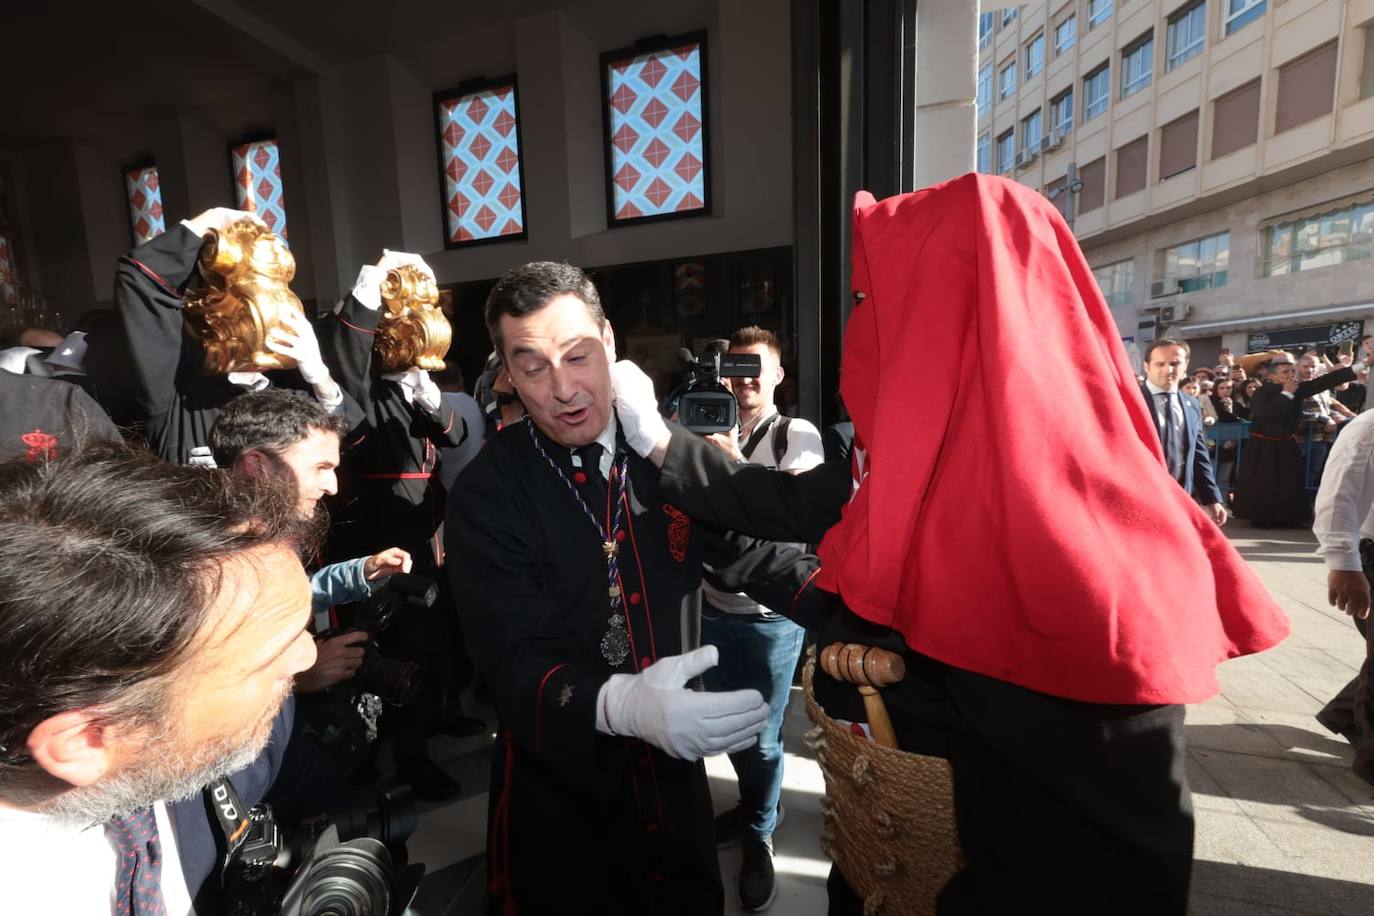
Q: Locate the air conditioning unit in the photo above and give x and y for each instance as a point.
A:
(1053, 141)
(1161, 288)
(1172, 314)
(1026, 156)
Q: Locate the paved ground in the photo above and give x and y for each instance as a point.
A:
(1283, 826)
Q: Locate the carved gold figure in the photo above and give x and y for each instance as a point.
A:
(412, 330)
(241, 296)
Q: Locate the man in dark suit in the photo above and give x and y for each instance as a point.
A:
(1178, 420)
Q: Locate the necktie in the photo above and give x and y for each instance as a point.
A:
(138, 883)
(591, 460)
(1173, 436)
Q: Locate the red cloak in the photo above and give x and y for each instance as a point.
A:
(1014, 516)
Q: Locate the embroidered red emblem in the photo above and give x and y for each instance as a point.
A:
(41, 445)
(679, 532)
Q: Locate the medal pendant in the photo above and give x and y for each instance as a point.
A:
(615, 645)
(613, 591)
(610, 549)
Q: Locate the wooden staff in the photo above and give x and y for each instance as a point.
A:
(870, 669)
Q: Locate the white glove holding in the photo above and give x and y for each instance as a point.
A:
(654, 705)
(368, 287)
(418, 387)
(637, 407)
(296, 339)
(218, 219)
(394, 259)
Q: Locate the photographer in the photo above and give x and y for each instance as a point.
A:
(151, 620)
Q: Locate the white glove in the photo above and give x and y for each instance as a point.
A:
(637, 407)
(368, 287)
(394, 259)
(295, 338)
(200, 457)
(418, 387)
(219, 219)
(654, 705)
(249, 381)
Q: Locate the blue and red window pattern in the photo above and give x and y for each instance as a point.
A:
(480, 145)
(657, 150)
(257, 182)
(144, 192)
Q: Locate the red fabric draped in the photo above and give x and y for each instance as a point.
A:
(1015, 517)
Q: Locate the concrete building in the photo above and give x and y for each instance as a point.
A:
(1222, 147)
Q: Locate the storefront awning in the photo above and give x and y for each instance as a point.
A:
(1272, 320)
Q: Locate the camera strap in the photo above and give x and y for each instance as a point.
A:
(227, 810)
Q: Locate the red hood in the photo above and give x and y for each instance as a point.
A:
(1015, 517)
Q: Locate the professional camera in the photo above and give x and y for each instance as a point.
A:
(344, 718)
(704, 405)
(349, 861)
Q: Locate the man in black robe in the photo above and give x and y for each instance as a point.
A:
(390, 496)
(580, 592)
(1271, 488)
(175, 401)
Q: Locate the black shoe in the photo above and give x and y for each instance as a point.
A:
(757, 887)
(730, 825)
(426, 780)
(456, 724)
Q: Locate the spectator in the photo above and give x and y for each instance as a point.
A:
(163, 665)
(1245, 395)
(1224, 403)
(1178, 421)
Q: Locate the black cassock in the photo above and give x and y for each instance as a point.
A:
(173, 400)
(1270, 485)
(580, 821)
(390, 496)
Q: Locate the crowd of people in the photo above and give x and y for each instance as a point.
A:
(247, 541)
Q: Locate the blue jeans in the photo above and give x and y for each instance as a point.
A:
(759, 652)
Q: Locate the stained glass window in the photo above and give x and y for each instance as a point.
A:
(257, 181)
(479, 149)
(656, 130)
(145, 203)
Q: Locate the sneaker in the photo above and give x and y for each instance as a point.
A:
(757, 887)
(730, 825)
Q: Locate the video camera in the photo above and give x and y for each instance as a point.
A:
(347, 861)
(705, 405)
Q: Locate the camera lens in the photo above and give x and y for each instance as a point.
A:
(349, 880)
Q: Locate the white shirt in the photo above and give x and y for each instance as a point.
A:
(607, 442)
(1344, 510)
(47, 868)
(1175, 403)
(803, 452)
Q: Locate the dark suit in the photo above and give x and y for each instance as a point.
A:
(1198, 478)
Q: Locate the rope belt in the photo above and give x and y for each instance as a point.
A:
(1292, 438)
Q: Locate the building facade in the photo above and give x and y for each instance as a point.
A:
(1212, 155)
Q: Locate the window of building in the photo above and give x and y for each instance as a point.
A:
(1008, 15)
(1132, 167)
(985, 30)
(1178, 146)
(1061, 112)
(1367, 69)
(1239, 13)
(984, 160)
(1137, 64)
(1199, 264)
(257, 181)
(1235, 119)
(1006, 152)
(1117, 281)
(1099, 11)
(1065, 34)
(143, 190)
(1306, 88)
(1187, 32)
(656, 122)
(1006, 81)
(1031, 132)
(1096, 90)
(1094, 178)
(984, 87)
(479, 145)
(1035, 55)
(1338, 236)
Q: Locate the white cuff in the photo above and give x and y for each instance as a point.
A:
(1287, 394)
(368, 287)
(253, 381)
